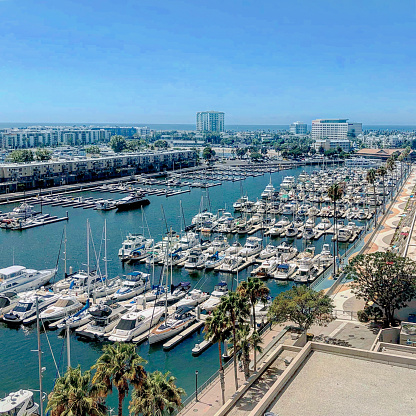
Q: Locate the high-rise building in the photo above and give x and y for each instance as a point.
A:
(336, 129)
(210, 121)
(298, 128)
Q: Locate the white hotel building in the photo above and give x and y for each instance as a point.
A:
(335, 129)
(210, 121)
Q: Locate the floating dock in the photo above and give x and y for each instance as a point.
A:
(180, 337)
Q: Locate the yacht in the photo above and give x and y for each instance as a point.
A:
(19, 403)
(240, 203)
(187, 241)
(269, 251)
(306, 272)
(157, 292)
(178, 292)
(324, 225)
(111, 286)
(291, 230)
(135, 243)
(219, 291)
(266, 268)
(193, 298)
(344, 234)
(231, 263)
(23, 211)
(235, 248)
(66, 305)
(285, 271)
(75, 320)
(134, 284)
(105, 205)
(134, 323)
(26, 308)
(134, 200)
(325, 258)
(288, 182)
(285, 252)
(196, 259)
(181, 319)
(251, 247)
(19, 279)
(308, 232)
(268, 191)
(103, 319)
(218, 244)
(8, 302)
(213, 261)
(202, 217)
(289, 209)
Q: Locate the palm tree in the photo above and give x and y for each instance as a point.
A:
(237, 308)
(371, 179)
(159, 396)
(120, 365)
(217, 329)
(382, 171)
(75, 395)
(253, 290)
(246, 339)
(391, 164)
(335, 192)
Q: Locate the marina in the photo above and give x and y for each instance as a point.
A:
(280, 257)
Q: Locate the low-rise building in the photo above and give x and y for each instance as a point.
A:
(51, 173)
(329, 144)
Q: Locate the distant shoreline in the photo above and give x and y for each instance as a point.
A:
(191, 127)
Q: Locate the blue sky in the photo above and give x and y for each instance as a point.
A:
(261, 62)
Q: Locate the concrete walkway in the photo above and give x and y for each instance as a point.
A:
(209, 400)
(344, 299)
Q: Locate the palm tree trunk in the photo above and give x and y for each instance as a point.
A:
(255, 356)
(375, 206)
(222, 380)
(120, 403)
(246, 364)
(235, 356)
(336, 237)
(384, 197)
(254, 315)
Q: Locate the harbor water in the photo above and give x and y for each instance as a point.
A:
(42, 248)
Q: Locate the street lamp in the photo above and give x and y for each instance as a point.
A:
(196, 385)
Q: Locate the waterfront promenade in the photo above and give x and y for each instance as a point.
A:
(395, 232)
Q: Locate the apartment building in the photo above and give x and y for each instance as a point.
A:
(298, 128)
(52, 173)
(210, 121)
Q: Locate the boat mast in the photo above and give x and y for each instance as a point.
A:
(68, 346)
(88, 257)
(105, 251)
(65, 258)
(39, 358)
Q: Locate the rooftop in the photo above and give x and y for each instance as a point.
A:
(354, 387)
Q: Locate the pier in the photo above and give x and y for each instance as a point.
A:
(185, 333)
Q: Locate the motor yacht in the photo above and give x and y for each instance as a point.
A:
(196, 259)
(285, 271)
(288, 182)
(134, 284)
(135, 243)
(344, 234)
(291, 231)
(269, 251)
(181, 319)
(177, 293)
(240, 203)
(218, 244)
(82, 317)
(134, 200)
(215, 260)
(193, 298)
(231, 263)
(65, 305)
(252, 246)
(268, 191)
(306, 272)
(308, 232)
(26, 307)
(7, 302)
(105, 205)
(23, 211)
(324, 225)
(19, 279)
(103, 320)
(325, 258)
(266, 268)
(135, 323)
(219, 291)
(235, 248)
(289, 209)
(19, 403)
(285, 252)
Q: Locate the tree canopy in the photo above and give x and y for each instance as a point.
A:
(161, 144)
(208, 153)
(118, 143)
(93, 150)
(302, 306)
(384, 278)
(21, 156)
